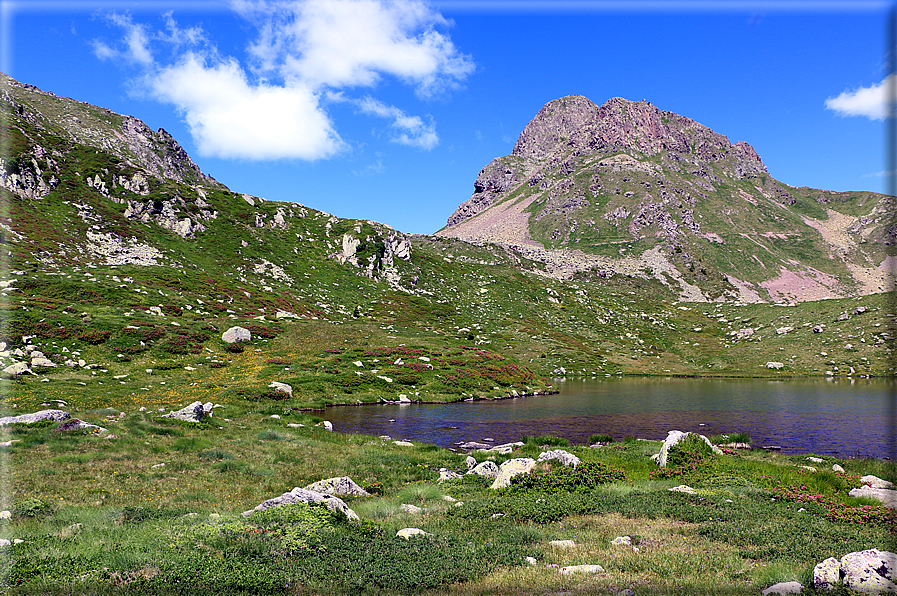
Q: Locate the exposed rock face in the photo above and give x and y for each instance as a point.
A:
(341, 486)
(235, 334)
(583, 179)
(192, 413)
(40, 416)
(673, 438)
(302, 495)
(511, 468)
(870, 571)
(565, 457)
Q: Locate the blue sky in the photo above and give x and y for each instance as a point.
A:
(387, 110)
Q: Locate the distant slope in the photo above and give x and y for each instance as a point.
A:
(118, 256)
(629, 188)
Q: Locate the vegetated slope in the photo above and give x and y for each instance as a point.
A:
(629, 188)
(123, 265)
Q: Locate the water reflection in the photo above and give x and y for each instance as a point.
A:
(831, 418)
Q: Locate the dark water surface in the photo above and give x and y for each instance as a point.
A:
(845, 418)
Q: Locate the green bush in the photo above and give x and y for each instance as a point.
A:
(583, 478)
(690, 450)
(601, 439)
(31, 507)
(549, 440)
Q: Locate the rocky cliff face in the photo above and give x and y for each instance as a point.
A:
(651, 192)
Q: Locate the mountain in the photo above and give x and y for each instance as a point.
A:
(625, 187)
(122, 265)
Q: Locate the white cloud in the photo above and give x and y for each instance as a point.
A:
(340, 43)
(228, 117)
(304, 50)
(136, 42)
(875, 102)
(409, 130)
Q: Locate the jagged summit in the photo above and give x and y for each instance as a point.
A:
(628, 187)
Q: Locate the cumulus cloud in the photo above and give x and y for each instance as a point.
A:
(228, 117)
(304, 51)
(875, 102)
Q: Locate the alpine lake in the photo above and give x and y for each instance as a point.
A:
(841, 417)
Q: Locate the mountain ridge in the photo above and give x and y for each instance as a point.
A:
(583, 179)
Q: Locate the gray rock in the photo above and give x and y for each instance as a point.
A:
(446, 474)
(859, 310)
(43, 362)
(471, 462)
(827, 574)
(784, 588)
(871, 571)
(887, 496)
(673, 437)
(235, 334)
(301, 495)
(489, 469)
(565, 457)
(57, 415)
(683, 488)
(562, 544)
(192, 413)
(75, 424)
(622, 541)
(744, 333)
(19, 368)
(411, 509)
(408, 533)
(511, 468)
(474, 445)
(403, 443)
(818, 329)
(281, 388)
(876, 482)
(340, 486)
(570, 569)
(837, 468)
(774, 365)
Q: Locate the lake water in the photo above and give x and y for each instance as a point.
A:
(843, 418)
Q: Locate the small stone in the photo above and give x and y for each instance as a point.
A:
(622, 540)
(408, 533)
(411, 509)
(784, 588)
(562, 544)
(581, 569)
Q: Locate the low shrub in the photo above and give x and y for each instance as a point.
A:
(31, 507)
(94, 336)
(601, 439)
(583, 478)
(549, 440)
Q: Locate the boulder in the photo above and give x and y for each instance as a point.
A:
(408, 533)
(683, 488)
(502, 449)
(301, 495)
(489, 469)
(581, 569)
(403, 443)
(871, 571)
(673, 437)
(876, 482)
(46, 362)
(75, 424)
(565, 457)
(57, 415)
(837, 468)
(411, 509)
(281, 388)
(784, 588)
(19, 368)
(340, 486)
(827, 574)
(235, 334)
(775, 365)
(474, 445)
(446, 474)
(511, 468)
(471, 462)
(328, 426)
(622, 541)
(192, 413)
(888, 497)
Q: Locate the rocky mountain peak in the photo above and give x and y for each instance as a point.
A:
(555, 123)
